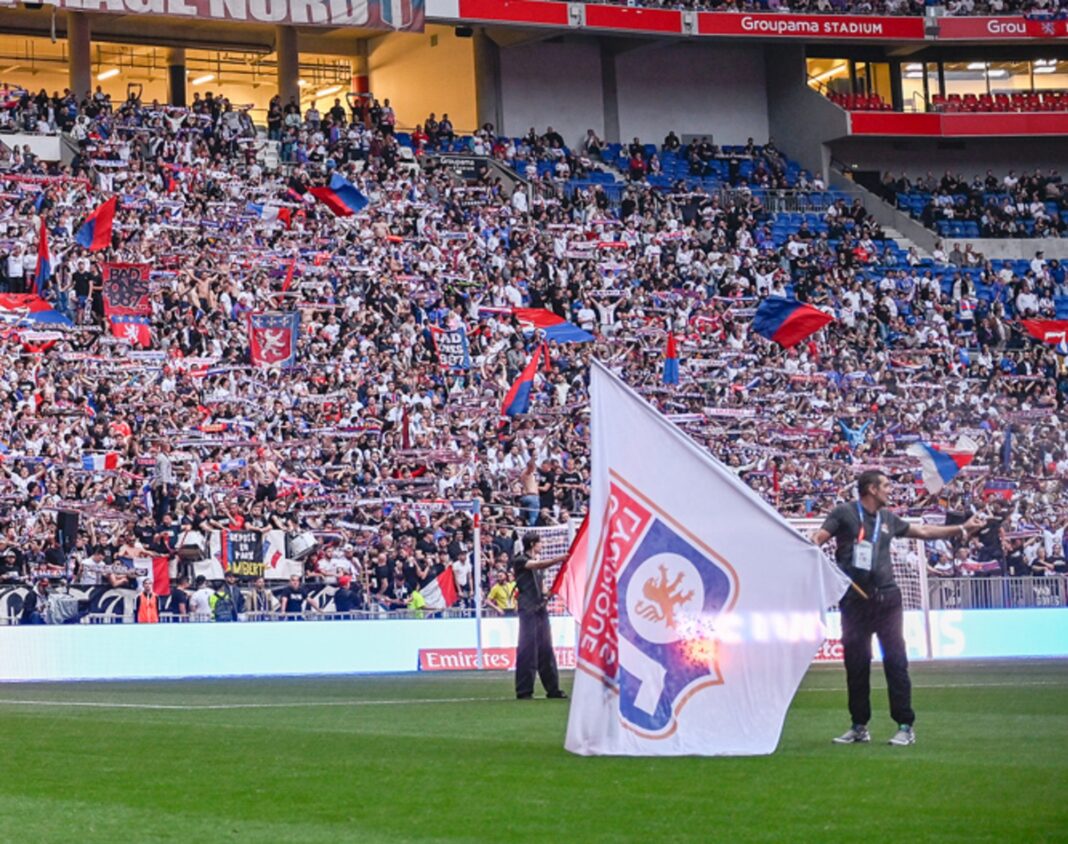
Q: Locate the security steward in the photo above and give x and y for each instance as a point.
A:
(535, 650)
(863, 530)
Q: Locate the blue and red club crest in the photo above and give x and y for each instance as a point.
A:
(655, 599)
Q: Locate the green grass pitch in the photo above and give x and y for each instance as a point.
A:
(453, 758)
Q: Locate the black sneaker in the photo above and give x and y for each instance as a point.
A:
(559, 694)
(524, 697)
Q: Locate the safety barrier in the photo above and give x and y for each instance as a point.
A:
(990, 593)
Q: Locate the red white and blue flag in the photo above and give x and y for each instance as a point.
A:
(517, 402)
(135, 330)
(341, 196)
(939, 466)
(555, 327)
(787, 321)
(272, 338)
(271, 213)
(31, 308)
(95, 232)
(43, 271)
(106, 462)
(441, 592)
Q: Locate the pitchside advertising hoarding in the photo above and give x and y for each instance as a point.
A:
(265, 649)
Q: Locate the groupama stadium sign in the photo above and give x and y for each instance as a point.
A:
(408, 15)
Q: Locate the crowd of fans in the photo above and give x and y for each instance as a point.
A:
(366, 424)
(1014, 205)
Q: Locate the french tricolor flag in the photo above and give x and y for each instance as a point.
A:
(100, 462)
(671, 361)
(441, 592)
(43, 272)
(940, 466)
(95, 232)
(787, 321)
(517, 401)
(342, 197)
(271, 213)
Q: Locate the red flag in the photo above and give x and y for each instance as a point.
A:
(133, 329)
(1047, 330)
(161, 575)
(289, 275)
(570, 582)
(95, 232)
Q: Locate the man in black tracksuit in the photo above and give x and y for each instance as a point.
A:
(535, 650)
(863, 530)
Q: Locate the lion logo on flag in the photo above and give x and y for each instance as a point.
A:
(670, 590)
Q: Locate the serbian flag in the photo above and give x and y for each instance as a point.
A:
(570, 582)
(161, 575)
(271, 213)
(787, 321)
(135, 330)
(517, 401)
(341, 197)
(1047, 330)
(440, 592)
(671, 361)
(43, 272)
(940, 466)
(95, 232)
(109, 461)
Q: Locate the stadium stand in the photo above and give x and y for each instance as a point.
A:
(152, 403)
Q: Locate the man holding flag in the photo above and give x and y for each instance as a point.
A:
(862, 530)
(534, 653)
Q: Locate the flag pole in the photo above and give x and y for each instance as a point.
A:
(476, 513)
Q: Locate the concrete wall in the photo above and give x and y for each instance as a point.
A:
(966, 157)
(1017, 249)
(801, 121)
(423, 73)
(552, 83)
(717, 89)
(45, 147)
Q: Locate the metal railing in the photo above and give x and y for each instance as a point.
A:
(987, 593)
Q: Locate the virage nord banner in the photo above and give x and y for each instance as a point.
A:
(407, 15)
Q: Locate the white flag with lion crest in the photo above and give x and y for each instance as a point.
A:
(703, 606)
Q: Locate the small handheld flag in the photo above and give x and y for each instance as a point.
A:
(43, 270)
(517, 401)
(671, 361)
(95, 232)
(787, 321)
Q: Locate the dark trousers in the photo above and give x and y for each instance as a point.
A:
(535, 654)
(882, 616)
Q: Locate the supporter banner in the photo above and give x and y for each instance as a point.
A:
(272, 338)
(239, 551)
(406, 15)
(809, 26)
(126, 289)
(452, 347)
(493, 659)
(1000, 28)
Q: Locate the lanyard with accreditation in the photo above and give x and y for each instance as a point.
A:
(863, 549)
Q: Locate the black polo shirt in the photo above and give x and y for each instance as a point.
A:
(843, 524)
(528, 585)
